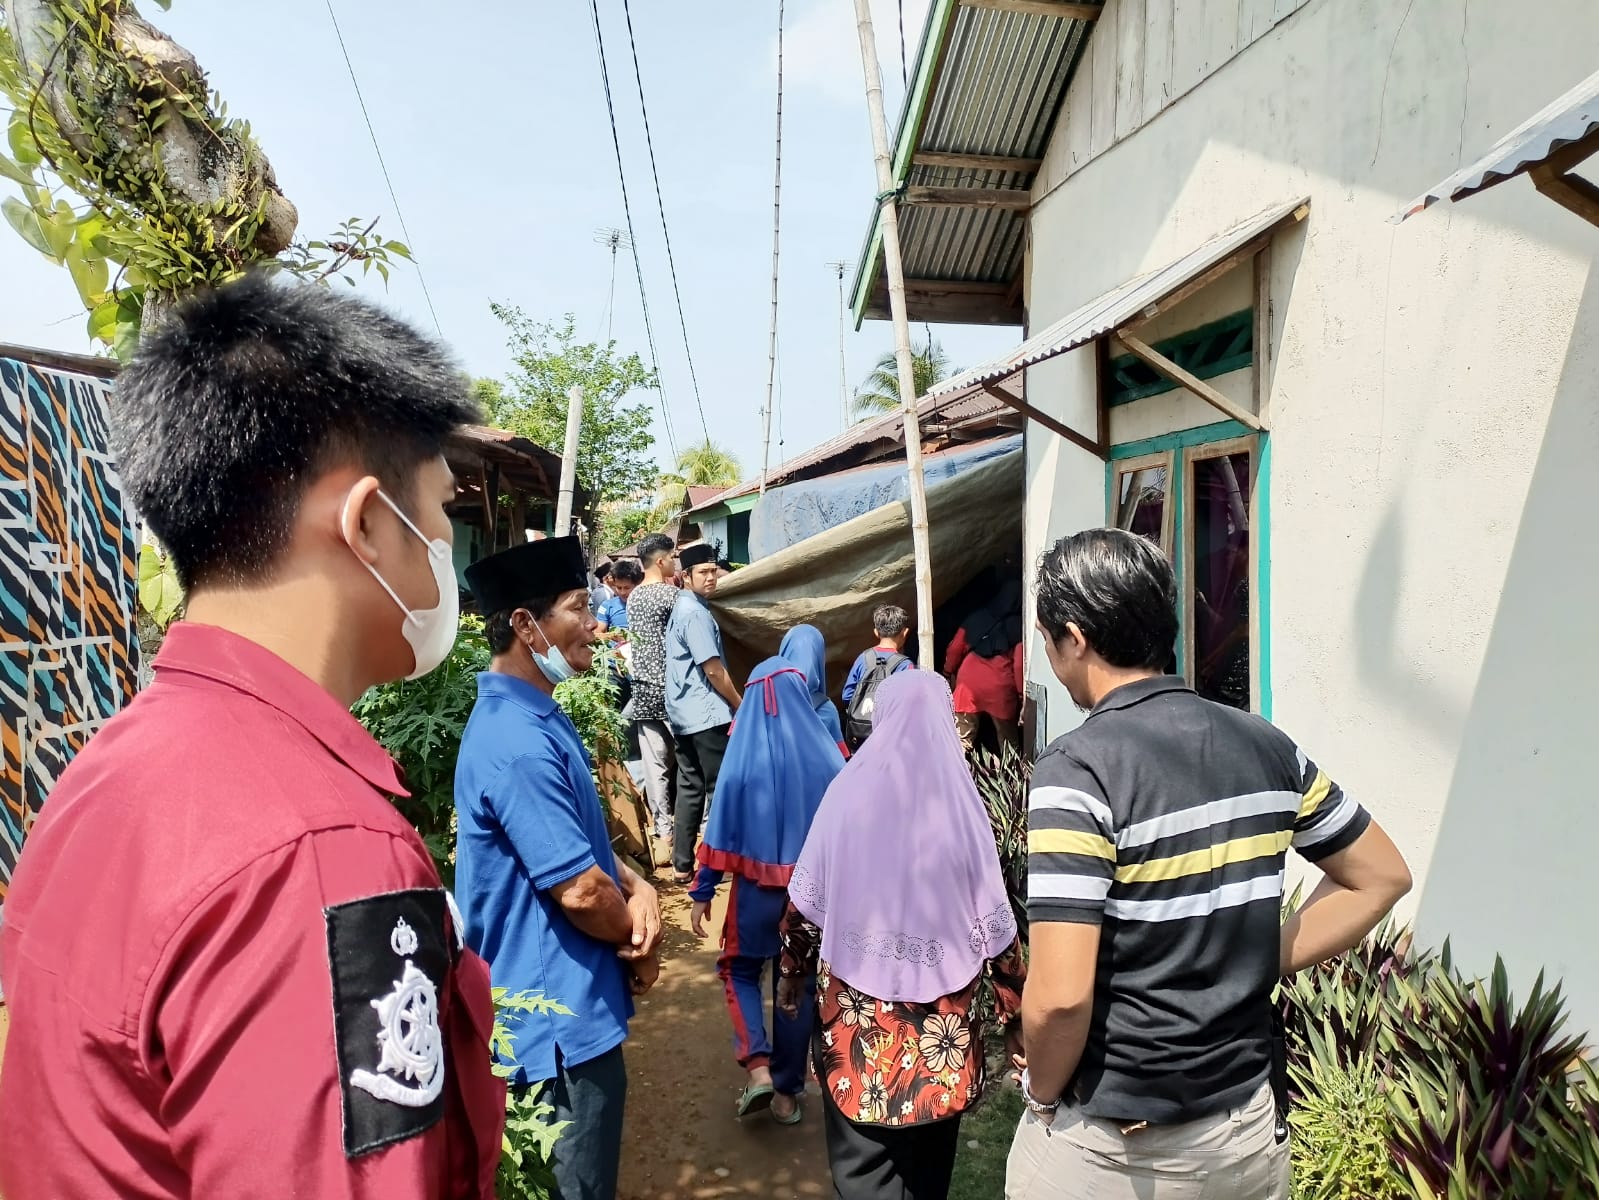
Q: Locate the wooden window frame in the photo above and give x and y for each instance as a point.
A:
(1204, 452)
(1130, 466)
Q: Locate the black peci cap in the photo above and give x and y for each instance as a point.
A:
(527, 572)
(695, 556)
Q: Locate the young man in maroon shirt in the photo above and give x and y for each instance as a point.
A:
(231, 968)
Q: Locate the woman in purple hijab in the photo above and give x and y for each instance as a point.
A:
(898, 906)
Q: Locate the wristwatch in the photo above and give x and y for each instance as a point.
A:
(1037, 1105)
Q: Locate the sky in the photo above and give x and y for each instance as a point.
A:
(492, 121)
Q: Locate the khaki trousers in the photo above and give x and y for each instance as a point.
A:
(967, 725)
(1232, 1155)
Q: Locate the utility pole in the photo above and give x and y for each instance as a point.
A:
(574, 425)
(843, 382)
(888, 207)
(777, 225)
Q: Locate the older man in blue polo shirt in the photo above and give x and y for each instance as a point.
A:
(546, 902)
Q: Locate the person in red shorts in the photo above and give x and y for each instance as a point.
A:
(984, 667)
(231, 967)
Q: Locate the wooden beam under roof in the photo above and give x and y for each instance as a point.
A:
(1013, 199)
(951, 303)
(976, 162)
(1041, 8)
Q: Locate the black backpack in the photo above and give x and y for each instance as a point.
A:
(858, 716)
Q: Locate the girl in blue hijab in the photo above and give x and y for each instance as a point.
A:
(780, 761)
(805, 647)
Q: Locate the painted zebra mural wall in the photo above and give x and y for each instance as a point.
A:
(69, 650)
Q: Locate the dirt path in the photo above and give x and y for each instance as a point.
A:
(682, 1141)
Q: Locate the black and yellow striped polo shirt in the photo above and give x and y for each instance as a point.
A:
(1167, 818)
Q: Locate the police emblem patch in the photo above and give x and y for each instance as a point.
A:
(389, 958)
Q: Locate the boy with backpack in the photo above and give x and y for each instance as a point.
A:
(892, 625)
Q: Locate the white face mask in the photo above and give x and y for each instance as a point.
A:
(552, 662)
(430, 632)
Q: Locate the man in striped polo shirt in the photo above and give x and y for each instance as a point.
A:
(1157, 836)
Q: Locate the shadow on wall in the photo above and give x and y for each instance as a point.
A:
(1513, 868)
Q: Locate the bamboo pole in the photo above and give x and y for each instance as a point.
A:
(920, 542)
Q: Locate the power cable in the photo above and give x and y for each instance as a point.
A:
(666, 234)
(627, 211)
(904, 65)
(378, 150)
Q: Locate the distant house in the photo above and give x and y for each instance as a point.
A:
(860, 469)
(1368, 450)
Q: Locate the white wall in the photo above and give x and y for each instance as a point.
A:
(1434, 567)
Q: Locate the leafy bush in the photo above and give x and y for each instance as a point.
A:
(590, 700)
(530, 1131)
(1002, 781)
(1486, 1102)
(1340, 1130)
(1482, 1098)
(420, 723)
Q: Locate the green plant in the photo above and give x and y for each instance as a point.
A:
(615, 457)
(880, 393)
(1485, 1090)
(1002, 781)
(1340, 1130)
(531, 1132)
(590, 700)
(160, 593)
(163, 191)
(420, 722)
(1338, 1012)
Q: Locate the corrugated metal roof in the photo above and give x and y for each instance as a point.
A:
(963, 408)
(1119, 306)
(1000, 80)
(1568, 119)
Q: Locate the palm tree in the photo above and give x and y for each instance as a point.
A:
(704, 464)
(880, 393)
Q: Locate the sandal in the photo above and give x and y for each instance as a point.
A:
(755, 1098)
(793, 1118)
(683, 880)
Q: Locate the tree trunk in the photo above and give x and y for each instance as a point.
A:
(93, 92)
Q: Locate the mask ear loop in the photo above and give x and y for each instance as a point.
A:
(344, 519)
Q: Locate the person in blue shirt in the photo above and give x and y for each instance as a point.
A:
(805, 647)
(892, 625)
(700, 701)
(780, 762)
(544, 898)
(624, 577)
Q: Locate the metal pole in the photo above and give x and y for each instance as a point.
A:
(574, 425)
(843, 381)
(920, 542)
(777, 225)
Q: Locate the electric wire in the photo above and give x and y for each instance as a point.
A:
(666, 234)
(627, 211)
(384, 166)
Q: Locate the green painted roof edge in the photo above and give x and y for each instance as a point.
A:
(910, 131)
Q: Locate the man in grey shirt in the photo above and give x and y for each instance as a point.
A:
(701, 699)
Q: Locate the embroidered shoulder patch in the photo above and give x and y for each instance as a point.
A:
(389, 959)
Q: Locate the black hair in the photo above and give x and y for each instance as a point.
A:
(1118, 588)
(497, 626)
(890, 620)
(653, 548)
(723, 565)
(601, 571)
(627, 571)
(249, 392)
